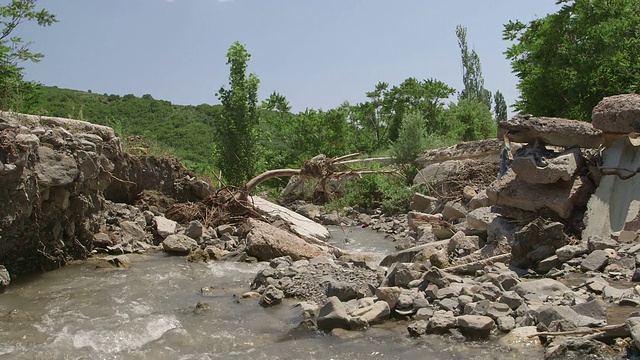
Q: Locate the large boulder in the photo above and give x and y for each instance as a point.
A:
(333, 314)
(267, 242)
(179, 244)
(551, 131)
(475, 326)
(618, 114)
(561, 197)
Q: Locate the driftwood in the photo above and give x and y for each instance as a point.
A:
(618, 328)
(318, 167)
(476, 265)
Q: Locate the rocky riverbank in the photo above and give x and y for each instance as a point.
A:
(545, 256)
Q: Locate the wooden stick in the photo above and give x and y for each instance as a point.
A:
(580, 331)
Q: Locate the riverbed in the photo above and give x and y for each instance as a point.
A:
(148, 312)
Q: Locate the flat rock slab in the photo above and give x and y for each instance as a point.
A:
(302, 226)
(541, 287)
(561, 197)
(482, 149)
(552, 131)
(619, 114)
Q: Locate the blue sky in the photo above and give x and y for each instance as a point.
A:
(316, 53)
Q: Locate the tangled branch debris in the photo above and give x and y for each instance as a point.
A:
(230, 206)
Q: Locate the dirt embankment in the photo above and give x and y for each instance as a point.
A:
(55, 175)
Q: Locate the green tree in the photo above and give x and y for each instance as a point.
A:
(568, 61)
(471, 72)
(15, 93)
(500, 109)
(236, 151)
(411, 138)
(424, 96)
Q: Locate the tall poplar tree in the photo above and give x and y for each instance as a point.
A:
(236, 146)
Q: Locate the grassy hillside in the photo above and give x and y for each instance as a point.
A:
(186, 131)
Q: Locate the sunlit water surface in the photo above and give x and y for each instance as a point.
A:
(147, 312)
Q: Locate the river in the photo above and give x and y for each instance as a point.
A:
(147, 312)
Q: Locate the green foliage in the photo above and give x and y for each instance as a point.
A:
(500, 109)
(568, 61)
(372, 191)
(411, 139)
(15, 93)
(236, 154)
(471, 120)
(187, 130)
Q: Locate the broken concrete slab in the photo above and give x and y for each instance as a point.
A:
(561, 197)
(300, 225)
(552, 131)
(615, 205)
(561, 167)
(619, 114)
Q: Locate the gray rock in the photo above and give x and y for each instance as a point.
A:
(549, 313)
(569, 252)
(179, 244)
(55, 168)
(165, 227)
(530, 241)
(454, 210)
(405, 276)
(271, 296)
(424, 314)
(265, 242)
(549, 263)
(506, 323)
(551, 131)
(618, 113)
(389, 294)
(463, 245)
(475, 326)
(597, 260)
(310, 211)
(5, 278)
(595, 242)
(374, 314)
(478, 201)
(633, 323)
(333, 315)
(561, 167)
(441, 323)
(344, 291)
(225, 229)
(541, 287)
(194, 230)
(423, 203)
(437, 277)
(417, 328)
(497, 310)
(512, 299)
(595, 309)
(481, 217)
(449, 304)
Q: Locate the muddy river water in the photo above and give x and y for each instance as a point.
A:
(147, 312)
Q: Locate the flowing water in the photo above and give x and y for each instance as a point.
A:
(147, 312)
